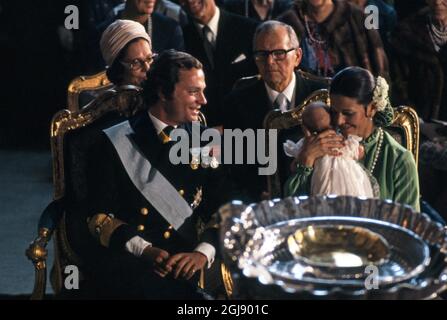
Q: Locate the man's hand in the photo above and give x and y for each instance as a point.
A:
(186, 264)
(158, 258)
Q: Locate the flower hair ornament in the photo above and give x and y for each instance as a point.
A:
(385, 113)
(380, 94)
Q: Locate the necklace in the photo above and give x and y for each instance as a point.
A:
(309, 33)
(437, 35)
(379, 147)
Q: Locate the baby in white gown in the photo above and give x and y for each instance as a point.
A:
(338, 175)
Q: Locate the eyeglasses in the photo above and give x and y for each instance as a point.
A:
(279, 54)
(138, 64)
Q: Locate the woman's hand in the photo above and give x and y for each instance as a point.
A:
(316, 146)
(186, 264)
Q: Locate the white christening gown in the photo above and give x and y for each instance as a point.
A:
(338, 175)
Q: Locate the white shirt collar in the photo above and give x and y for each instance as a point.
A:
(213, 24)
(158, 124)
(288, 91)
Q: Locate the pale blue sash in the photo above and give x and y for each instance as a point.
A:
(160, 193)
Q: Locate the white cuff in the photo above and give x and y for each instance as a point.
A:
(136, 245)
(208, 250)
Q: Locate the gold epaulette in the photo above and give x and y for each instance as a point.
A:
(102, 226)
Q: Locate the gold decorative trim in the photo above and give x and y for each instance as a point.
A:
(406, 117)
(125, 100)
(201, 283)
(38, 254)
(102, 226)
(227, 280)
(94, 82)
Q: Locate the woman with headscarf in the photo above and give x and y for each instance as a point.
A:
(126, 49)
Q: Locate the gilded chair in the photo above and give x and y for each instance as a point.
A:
(84, 89)
(404, 128)
(73, 135)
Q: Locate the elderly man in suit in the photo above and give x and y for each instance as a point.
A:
(277, 55)
(221, 41)
(143, 209)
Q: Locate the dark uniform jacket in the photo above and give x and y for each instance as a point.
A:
(113, 192)
(246, 109)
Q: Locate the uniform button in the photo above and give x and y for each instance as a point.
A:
(140, 227)
(182, 192)
(144, 211)
(167, 233)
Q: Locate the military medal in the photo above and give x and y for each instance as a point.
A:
(194, 163)
(197, 198)
(214, 163)
(195, 160)
(205, 157)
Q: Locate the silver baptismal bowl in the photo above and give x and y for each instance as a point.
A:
(344, 249)
(332, 247)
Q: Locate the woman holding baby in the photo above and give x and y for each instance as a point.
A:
(359, 105)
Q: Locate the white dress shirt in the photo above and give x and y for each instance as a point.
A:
(213, 25)
(289, 92)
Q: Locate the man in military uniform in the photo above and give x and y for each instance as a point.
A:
(143, 209)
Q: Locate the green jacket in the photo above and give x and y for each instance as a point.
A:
(395, 171)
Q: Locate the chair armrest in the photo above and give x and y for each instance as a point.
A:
(37, 251)
(50, 217)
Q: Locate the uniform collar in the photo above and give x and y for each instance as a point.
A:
(158, 124)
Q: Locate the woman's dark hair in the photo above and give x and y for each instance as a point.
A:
(359, 84)
(164, 74)
(354, 82)
(115, 73)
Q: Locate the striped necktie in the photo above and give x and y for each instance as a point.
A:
(164, 134)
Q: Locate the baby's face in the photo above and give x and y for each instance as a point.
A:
(318, 121)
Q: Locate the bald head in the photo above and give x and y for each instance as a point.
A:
(316, 117)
